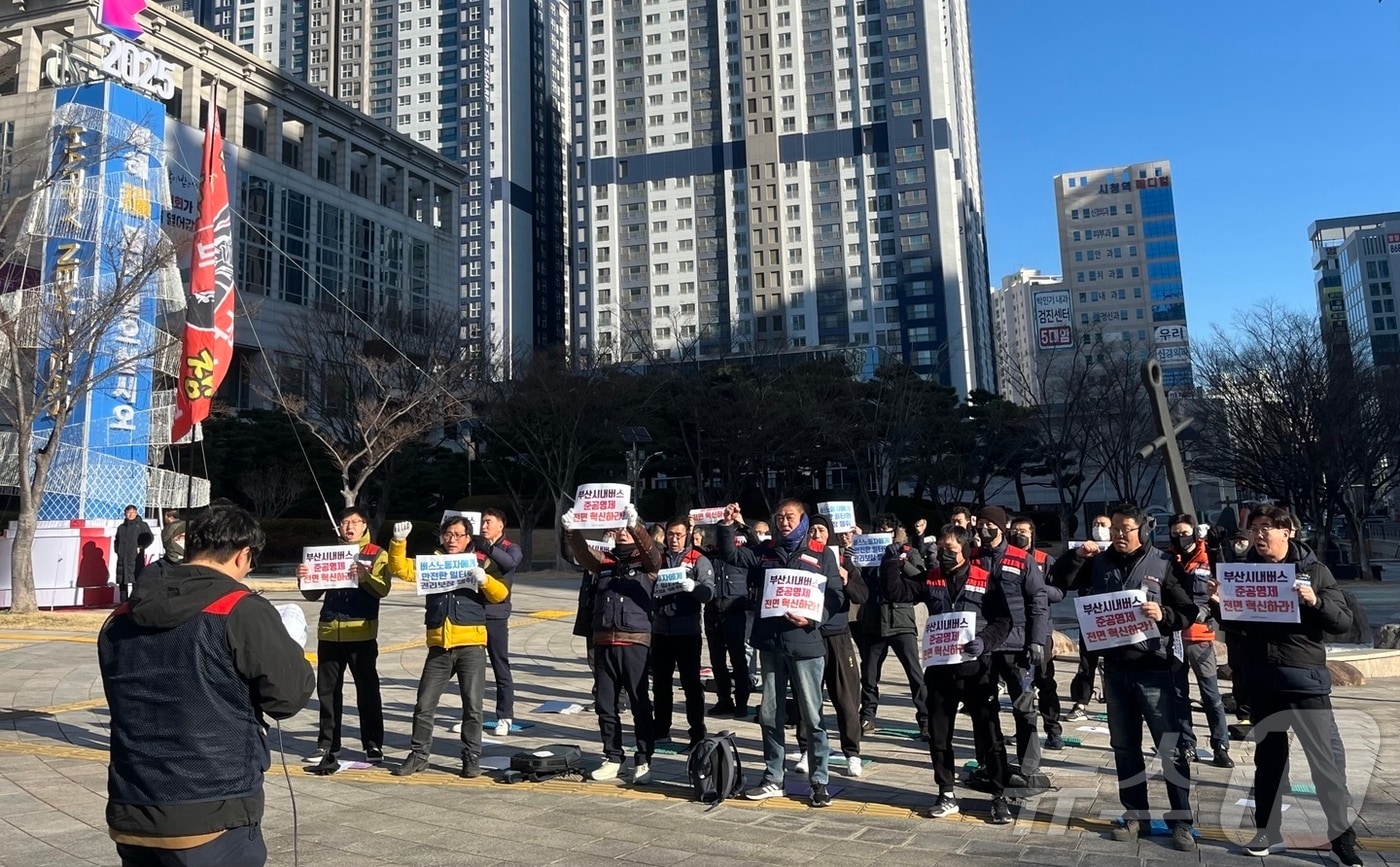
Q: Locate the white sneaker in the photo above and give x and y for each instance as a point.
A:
(607, 771)
(502, 728)
(802, 765)
(641, 774)
(853, 768)
(455, 728)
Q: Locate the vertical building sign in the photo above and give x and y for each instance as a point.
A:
(102, 222)
(1052, 319)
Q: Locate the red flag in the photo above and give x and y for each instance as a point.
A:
(208, 346)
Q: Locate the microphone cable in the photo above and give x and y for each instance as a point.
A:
(287, 775)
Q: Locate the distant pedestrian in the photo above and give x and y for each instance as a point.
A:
(129, 546)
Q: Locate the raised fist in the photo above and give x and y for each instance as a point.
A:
(566, 521)
(402, 529)
(630, 513)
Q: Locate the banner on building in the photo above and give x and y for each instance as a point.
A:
(1053, 319)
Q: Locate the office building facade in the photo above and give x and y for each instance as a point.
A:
(1340, 312)
(1369, 263)
(1030, 320)
(1122, 264)
(758, 177)
(480, 81)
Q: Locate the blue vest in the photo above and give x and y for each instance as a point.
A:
(184, 730)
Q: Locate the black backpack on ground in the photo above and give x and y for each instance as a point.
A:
(714, 769)
(547, 763)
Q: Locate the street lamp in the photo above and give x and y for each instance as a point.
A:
(636, 436)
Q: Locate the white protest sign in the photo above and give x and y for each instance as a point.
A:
(944, 638)
(842, 515)
(439, 573)
(869, 548)
(1075, 545)
(668, 581)
(330, 567)
(1114, 619)
(793, 591)
(707, 516)
(1260, 592)
(473, 517)
(601, 545)
(601, 507)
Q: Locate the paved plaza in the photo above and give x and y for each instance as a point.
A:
(53, 779)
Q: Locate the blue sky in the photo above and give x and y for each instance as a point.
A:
(1274, 114)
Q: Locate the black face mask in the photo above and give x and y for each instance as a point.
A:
(1020, 540)
(947, 560)
(987, 534)
(1184, 544)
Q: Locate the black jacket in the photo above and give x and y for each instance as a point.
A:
(942, 594)
(1263, 649)
(780, 633)
(164, 657)
(505, 556)
(680, 613)
(129, 544)
(1023, 583)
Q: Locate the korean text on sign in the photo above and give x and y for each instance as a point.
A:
(707, 516)
(1262, 592)
(793, 591)
(1114, 620)
(330, 567)
(842, 515)
(944, 638)
(601, 507)
(440, 573)
(869, 548)
(669, 581)
(474, 518)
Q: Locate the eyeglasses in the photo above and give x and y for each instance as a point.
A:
(1122, 531)
(455, 536)
(355, 523)
(1260, 530)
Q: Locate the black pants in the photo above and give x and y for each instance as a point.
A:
(1310, 717)
(841, 677)
(977, 693)
(726, 632)
(469, 665)
(618, 669)
(1081, 688)
(672, 654)
(1012, 668)
(332, 659)
(498, 649)
(1048, 695)
(873, 651)
(236, 847)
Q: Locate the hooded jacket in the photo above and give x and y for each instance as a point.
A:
(352, 613)
(1291, 657)
(198, 660)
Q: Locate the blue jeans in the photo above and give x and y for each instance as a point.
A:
(1136, 696)
(806, 677)
(236, 847)
(1200, 656)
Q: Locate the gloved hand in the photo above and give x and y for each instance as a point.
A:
(1037, 656)
(477, 574)
(630, 513)
(1202, 531)
(975, 647)
(687, 585)
(566, 521)
(402, 529)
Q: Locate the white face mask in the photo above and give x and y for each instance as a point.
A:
(1098, 534)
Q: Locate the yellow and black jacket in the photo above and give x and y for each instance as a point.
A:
(352, 614)
(456, 618)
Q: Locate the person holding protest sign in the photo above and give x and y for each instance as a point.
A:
(841, 673)
(1140, 675)
(347, 636)
(623, 587)
(684, 584)
(1021, 533)
(1194, 571)
(506, 555)
(1022, 654)
(456, 622)
(1081, 688)
(957, 657)
(1290, 686)
(791, 571)
(887, 625)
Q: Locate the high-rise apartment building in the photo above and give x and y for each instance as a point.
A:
(1122, 265)
(481, 81)
(752, 177)
(1342, 315)
(1030, 319)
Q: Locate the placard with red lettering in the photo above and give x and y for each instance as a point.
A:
(601, 507)
(793, 591)
(944, 638)
(707, 516)
(1261, 592)
(1114, 619)
(330, 567)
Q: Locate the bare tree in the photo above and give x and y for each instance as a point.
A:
(273, 489)
(1125, 424)
(366, 389)
(56, 337)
